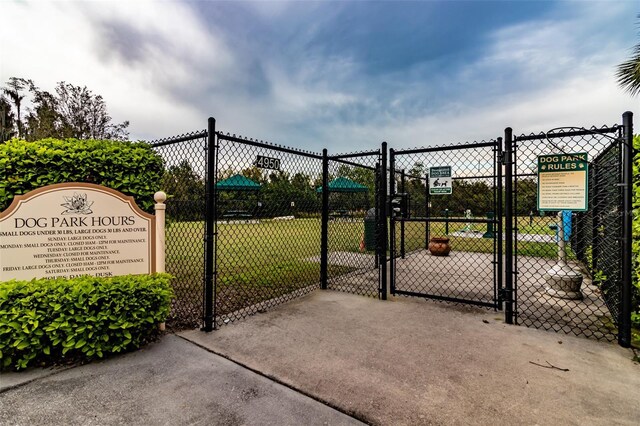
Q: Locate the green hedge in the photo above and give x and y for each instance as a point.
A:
(50, 321)
(132, 168)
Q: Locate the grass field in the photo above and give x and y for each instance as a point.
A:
(260, 261)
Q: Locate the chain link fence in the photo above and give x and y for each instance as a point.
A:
(594, 248)
(275, 232)
(353, 223)
(459, 208)
(268, 214)
(184, 182)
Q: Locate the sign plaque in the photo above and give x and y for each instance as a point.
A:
(440, 182)
(562, 182)
(73, 229)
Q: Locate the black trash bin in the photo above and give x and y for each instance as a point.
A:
(370, 229)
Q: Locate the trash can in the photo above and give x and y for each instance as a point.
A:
(370, 229)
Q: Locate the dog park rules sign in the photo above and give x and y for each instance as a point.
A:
(71, 229)
(440, 182)
(563, 181)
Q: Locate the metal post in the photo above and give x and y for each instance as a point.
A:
(210, 222)
(595, 218)
(324, 231)
(508, 217)
(446, 223)
(624, 329)
(404, 191)
(379, 205)
(427, 212)
(383, 239)
(499, 213)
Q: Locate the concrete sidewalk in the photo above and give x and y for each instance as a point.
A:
(412, 361)
(172, 382)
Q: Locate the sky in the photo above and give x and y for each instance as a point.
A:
(341, 75)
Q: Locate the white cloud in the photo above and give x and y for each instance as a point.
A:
(66, 41)
(169, 70)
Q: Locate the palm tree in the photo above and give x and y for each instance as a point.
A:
(628, 74)
(14, 87)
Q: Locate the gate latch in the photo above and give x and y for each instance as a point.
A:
(400, 205)
(503, 294)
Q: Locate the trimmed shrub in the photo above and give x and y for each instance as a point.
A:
(50, 321)
(132, 168)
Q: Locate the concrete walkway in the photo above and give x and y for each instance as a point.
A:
(172, 382)
(411, 361)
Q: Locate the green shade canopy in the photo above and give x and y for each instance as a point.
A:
(342, 184)
(237, 183)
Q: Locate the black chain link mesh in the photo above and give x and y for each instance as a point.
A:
(268, 227)
(594, 247)
(353, 224)
(184, 183)
(468, 273)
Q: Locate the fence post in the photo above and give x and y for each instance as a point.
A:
(392, 223)
(508, 217)
(427, 212)
(383, 239)
(499, 214)
(404, 191)
(624, 329)
(324, 227)
(210, 221)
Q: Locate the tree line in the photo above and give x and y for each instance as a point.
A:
(279, 189)
(71, 111)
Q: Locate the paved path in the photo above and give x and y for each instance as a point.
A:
(172, 382)
(536, 238)
(410, 361)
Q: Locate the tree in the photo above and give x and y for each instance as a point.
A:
(13, 90)
(43, 120)
(84, 115)
(628, 73)
(186, 190)
(6, 120)
(71, 112)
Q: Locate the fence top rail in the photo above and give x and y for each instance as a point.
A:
(267, 145)
(581, 132)
(180, 138)
(351, 163)
(355, 154)
(492, 143)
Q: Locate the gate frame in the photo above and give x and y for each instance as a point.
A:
(626, 184)
(497, 261)
(380, 171)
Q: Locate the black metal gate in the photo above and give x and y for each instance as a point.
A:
(354, 223)
(467, 211)
(598, 239)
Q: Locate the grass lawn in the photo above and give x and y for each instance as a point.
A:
(260, 261)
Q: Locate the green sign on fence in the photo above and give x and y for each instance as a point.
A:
(440, 182)
(562, 181)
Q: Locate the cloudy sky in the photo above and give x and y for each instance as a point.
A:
(342, 75)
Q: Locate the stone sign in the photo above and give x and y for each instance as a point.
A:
(72, 229)
(562, 182)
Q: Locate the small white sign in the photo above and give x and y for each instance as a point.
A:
(440, 181)
(72, 229)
